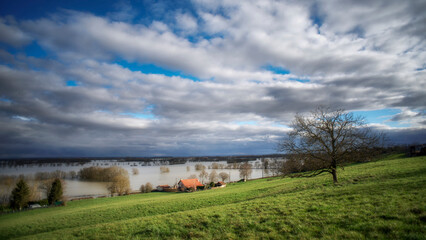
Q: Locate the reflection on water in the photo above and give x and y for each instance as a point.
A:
(152, 174)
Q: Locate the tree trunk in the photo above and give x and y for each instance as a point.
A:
(334, 173)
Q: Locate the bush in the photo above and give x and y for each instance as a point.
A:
(20, 195)
(147, 188)
(43, 202)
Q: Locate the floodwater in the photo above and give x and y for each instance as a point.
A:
(77, 188)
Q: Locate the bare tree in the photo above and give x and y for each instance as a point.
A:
(224, 176)
(325, 139)
(245, 170)
(7, 183)
(213, 176)
(203, 175)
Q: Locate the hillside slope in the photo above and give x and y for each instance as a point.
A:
(383, 199)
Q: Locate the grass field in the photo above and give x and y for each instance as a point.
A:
(377, 200)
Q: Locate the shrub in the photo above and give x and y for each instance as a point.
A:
(43, 202)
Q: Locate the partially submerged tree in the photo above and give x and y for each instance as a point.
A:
(224, 176)
(164, 169)
(199, 167)
(20, 195)
(325, 139)
(135, 171)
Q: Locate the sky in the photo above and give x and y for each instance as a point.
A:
(202, 77)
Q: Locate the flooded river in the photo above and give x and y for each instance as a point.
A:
(75, 188)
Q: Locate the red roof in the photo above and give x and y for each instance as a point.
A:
(163, 186)
(221, 183)
(188, 183)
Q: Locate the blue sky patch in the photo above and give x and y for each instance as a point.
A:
(146, 114)
(381, 116)
(276, 70)
(35, 50)
(72, 83)
(6, 100)
(300, 80)
(154, 69)
(315, 15)
(242, 123)
(140, 115)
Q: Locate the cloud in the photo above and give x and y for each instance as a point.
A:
(186, 22)
(12, 34)
(369, 57)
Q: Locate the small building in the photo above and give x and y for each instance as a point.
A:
(188, 184)
(161, 188)
(220, 184)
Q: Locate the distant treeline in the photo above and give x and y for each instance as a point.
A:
(169, 160)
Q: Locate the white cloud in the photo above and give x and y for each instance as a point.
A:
(354, 60)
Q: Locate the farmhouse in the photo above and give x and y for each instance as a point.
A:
(188, 184)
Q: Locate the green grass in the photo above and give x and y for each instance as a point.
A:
(377, 200)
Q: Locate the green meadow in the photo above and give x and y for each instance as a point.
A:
(384, 199)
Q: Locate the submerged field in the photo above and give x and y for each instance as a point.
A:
(383, 199)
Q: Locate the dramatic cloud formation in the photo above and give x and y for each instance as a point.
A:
(204, 77)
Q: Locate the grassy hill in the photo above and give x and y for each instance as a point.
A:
(383, 199)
